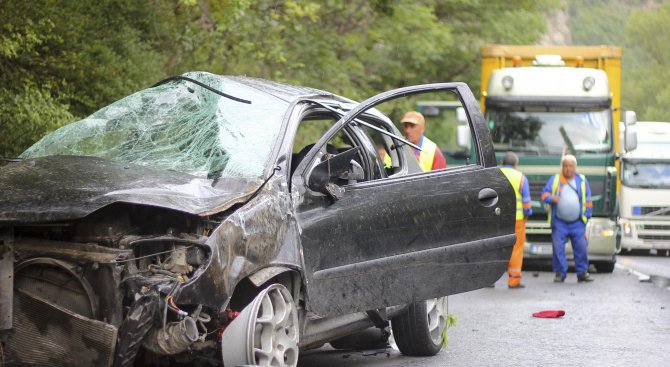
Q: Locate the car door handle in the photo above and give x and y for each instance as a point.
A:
(488, 197)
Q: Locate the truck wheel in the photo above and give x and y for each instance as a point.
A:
(604, 266)
(418, 332)
(265, 333)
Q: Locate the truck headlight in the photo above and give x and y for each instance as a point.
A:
(602, 230)
(627, 231)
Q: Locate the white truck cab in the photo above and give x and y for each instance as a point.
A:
(644, 197)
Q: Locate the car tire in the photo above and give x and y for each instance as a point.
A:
(604, 266)
(418, 331)
(265, 333)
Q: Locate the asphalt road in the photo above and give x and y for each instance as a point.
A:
(615, 321)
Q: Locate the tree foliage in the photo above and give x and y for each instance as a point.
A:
(61, 60)
(646, 83)
(641, 28)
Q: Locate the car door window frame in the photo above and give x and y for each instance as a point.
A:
(484, 153)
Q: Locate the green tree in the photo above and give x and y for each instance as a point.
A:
(61, 60)
(647, 90)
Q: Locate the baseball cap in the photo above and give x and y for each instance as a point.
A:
(413, 117)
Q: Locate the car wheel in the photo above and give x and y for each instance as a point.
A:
(265, 333)
(418, 332)
(604, 266)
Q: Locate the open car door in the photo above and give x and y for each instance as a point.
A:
(400, 239)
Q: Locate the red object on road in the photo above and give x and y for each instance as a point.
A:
(550, 314)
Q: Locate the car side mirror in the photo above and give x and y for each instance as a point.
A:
(630, 135)
(342, 166)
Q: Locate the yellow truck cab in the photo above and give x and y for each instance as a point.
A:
(543, 102)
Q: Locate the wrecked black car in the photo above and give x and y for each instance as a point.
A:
(217, 220)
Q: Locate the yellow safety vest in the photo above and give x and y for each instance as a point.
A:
(427, 155)
(514, 178)
(554, 191)
(387, 161)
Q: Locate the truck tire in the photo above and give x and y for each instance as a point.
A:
(418, 331)
(604, 266)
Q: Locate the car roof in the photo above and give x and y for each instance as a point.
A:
(286, 92)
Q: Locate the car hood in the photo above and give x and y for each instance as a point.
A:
(60, 188)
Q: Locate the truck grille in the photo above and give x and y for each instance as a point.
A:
(645, 210)
(536, 189)
(660, 227)
(654, 237)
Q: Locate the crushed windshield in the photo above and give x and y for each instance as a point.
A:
(647, 175)
(539, 131)
(178, 126)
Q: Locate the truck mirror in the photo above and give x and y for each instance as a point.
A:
(461, 116)
(463, 136)
(431, 111)
(630, 118)
(630, 135)
(630, 138)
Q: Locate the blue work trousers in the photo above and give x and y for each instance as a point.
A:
(576, 232)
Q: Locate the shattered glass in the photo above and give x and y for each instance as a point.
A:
(178, 126)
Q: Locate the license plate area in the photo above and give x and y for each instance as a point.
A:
(540, 249)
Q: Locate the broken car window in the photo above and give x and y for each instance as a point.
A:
(178, 126)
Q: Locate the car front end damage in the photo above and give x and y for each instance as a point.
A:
(88, 292)
(118, 275)
(125, 234)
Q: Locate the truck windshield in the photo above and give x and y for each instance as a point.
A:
(654, 175)
(538, 129)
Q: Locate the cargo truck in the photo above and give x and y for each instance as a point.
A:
(546, 101)
(644, 197)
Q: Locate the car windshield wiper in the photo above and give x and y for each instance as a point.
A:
(373, 127)
(8, 159)
(172, 78)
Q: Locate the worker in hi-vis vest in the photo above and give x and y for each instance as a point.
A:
(430, 157)
(568, 196)
(523, 211)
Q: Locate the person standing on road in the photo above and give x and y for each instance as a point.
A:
(569, 198)
(430, 157)
(524, 209)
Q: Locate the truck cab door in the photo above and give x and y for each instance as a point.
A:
(403, 238)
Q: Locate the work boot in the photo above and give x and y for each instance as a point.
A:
(586, 277)
(516, 286)
(559, 278)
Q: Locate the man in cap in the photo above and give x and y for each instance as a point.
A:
(430, 157)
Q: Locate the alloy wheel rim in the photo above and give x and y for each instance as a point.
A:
(275, 329)
(437, 318)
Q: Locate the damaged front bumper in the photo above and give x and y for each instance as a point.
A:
(89, 305)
